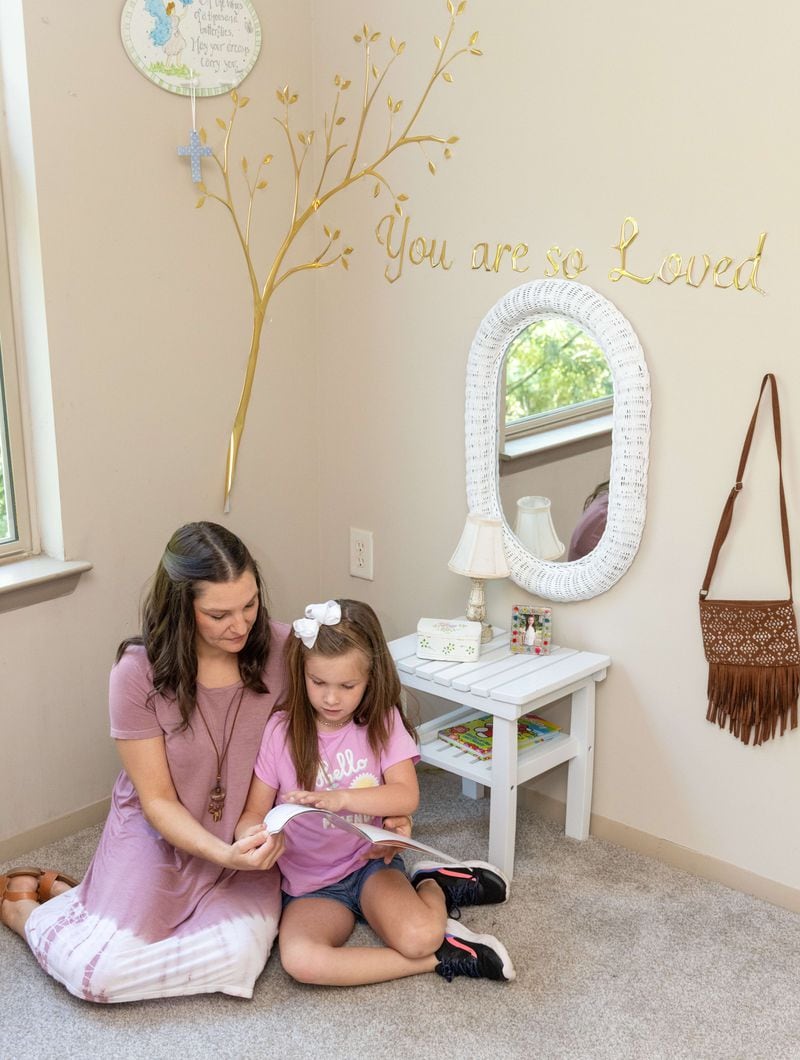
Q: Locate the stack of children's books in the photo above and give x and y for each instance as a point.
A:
(475, 736)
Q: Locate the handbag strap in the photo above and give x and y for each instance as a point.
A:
(727, 511)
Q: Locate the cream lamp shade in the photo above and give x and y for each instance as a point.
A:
(535, 528)
(479, 553)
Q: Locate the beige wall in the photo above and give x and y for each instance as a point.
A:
(576, 116)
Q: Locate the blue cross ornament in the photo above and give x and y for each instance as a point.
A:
(195, 150)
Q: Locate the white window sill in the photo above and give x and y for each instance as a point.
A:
(557, 437)
(30, 581)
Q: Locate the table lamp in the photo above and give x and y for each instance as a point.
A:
(479, 555)
(535, 528)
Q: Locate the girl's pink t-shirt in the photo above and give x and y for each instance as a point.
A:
(318, 853)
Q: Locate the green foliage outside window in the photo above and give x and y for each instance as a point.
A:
(553, 364)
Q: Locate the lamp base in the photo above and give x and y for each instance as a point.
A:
(476, 608)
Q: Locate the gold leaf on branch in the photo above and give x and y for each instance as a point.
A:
(262, 184)
(202, 187)
(448, 77)
(327, 231)
(462, 7)
(376, 190)
(402, 198)
(365, 30)
(473, 39)
(453, 140)
(432, 168)
(346, 85)
(265, 161)
(337, 80)
(199, 202)
(390, 101)
(347, 250)
(374, 70)
(345, 263)
(450, 7)
(448, 153)
(221, 123)
(244, 164)
(294, 97)
(244, 101)
(203, 135)
(438, 42)
(280, 95)
(393, 44)
(397, 106)
(235, 96)
(475, 51)
(340, 121)
(374, 37)
(357, 39)
(401, 47)
(337, 232)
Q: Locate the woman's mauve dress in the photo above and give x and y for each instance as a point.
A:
(149, 920)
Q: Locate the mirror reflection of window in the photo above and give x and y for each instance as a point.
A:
(555, 373)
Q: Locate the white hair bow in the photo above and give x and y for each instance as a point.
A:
(327, 614)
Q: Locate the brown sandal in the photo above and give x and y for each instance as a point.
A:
(44, 886)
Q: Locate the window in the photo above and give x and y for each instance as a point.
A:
(14, 521)
(556, 374)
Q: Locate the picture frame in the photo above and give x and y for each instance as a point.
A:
(531, 629)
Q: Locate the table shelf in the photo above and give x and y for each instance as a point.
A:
(531, 761)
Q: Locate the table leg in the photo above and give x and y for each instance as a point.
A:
(579, 777)
(472, 789)
(503, 807)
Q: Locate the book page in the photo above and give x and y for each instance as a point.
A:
(279, 816)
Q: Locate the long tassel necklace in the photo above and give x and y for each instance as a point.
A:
(216, 798)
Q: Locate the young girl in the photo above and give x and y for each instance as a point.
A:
(340, 742)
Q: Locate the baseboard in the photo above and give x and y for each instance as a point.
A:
(60, 828)
(680, 857)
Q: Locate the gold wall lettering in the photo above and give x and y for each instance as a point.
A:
(393, 233)
(481, 256)
(672, 267)
(571, 263)
(420, 249)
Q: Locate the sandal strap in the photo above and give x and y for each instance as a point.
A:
(46, 881)
(19, 896)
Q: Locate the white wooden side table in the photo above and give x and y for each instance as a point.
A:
(507, 685)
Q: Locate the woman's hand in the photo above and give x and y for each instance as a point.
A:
(256, 849)
(334, 801)
(402, 825)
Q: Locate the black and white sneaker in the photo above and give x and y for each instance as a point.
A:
(479, 956)
(473, 883)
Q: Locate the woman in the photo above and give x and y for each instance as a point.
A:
(171, 905)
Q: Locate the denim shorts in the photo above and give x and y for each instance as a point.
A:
(348, 891)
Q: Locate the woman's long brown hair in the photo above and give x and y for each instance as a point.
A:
(196, 552)
(358, 629)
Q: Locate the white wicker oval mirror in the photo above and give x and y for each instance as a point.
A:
(607, 562)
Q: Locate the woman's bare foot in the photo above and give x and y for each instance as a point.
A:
(35, 886)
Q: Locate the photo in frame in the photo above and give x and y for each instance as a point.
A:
(531, 629)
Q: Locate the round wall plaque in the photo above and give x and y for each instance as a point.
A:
(214, 43)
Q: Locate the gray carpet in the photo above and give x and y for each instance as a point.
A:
(617, 956)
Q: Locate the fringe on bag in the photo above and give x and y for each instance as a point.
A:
(753, 699)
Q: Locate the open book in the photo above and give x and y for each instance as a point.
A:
(279, 816)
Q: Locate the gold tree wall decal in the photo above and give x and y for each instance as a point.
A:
(348, 168)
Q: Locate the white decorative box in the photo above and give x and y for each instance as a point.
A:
(453, 639)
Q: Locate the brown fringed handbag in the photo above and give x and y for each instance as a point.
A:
(751, 645)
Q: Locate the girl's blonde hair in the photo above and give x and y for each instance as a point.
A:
(358, 629)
